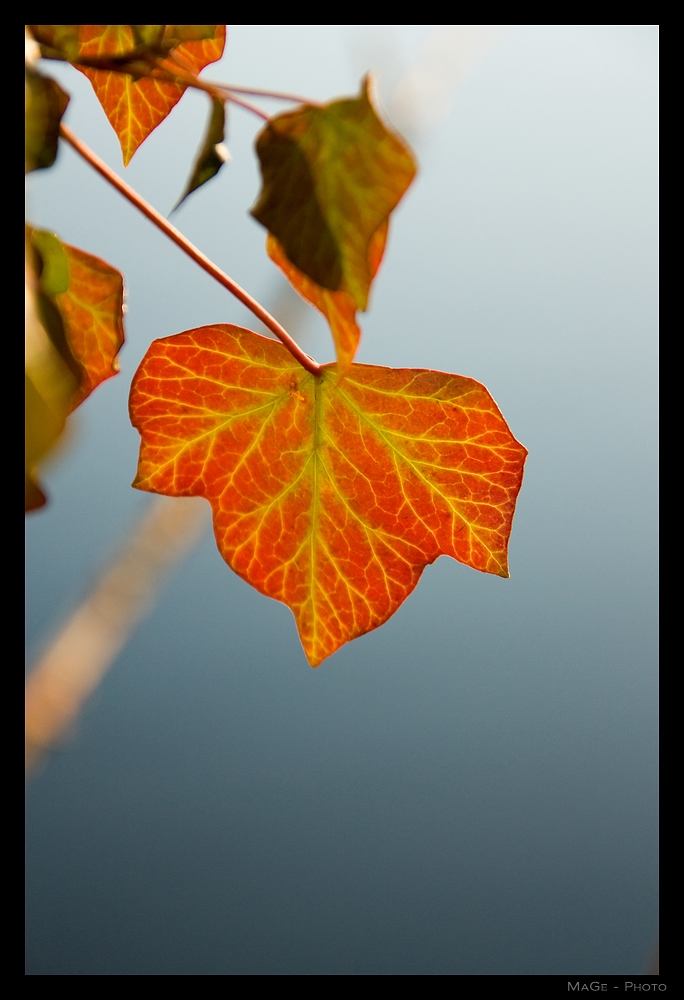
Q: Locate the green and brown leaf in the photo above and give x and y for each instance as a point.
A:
(74, 331)
(45, 105)
(332, 176)
(338, 308)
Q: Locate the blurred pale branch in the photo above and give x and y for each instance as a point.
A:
(85, 647)
(424, 94)
(418, 96)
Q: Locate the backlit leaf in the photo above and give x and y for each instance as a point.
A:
(88, 294)
(328, 495)
(213, 153)
(134, 101)
(46, 103)
(338, 308)
(50, 384)
(74, 331)
(331, 177)
(92, 312)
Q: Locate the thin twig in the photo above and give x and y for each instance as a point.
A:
(184, 243)
(257, 92)
(243, 104)
(185, 77)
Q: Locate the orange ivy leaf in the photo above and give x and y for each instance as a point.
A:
(92, 312)
(328, 495)
(74, 333)
(332, 176)
(134, 104)
(339, 308)
(135, 107)
(88, 294)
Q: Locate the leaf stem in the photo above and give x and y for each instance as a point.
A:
(186, 78)
(184, 243)
(257, 92)
(243, 104)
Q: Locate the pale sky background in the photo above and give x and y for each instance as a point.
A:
(472, 787)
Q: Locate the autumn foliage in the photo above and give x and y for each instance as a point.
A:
(74, 332)
(331, 487)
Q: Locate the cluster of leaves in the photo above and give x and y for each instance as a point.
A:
(331, 490)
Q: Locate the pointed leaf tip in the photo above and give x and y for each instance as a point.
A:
(213, 152)
(133, 98)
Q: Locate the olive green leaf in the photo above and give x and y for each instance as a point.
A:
(74, 331)
(213, 153)
(332, 175)
(45, 105)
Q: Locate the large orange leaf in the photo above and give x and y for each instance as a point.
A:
(134, 102)
(332, 176)
(330, 495)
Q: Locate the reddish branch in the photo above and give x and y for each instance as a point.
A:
(228, 96)
(258, 92)
(154, 216)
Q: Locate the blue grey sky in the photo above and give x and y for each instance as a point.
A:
(472, 787)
